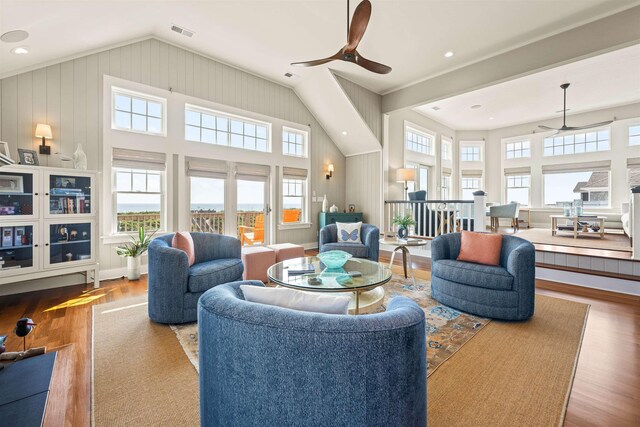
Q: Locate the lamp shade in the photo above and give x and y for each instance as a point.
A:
(330, 169)
(408, 174)
(43, 131)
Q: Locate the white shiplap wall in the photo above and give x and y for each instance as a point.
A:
(68, 96)
(364, 185)
(368, 104)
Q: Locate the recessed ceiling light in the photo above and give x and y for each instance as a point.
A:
(490, 118)
(448, 54)
(15, 36)
(20, 50)
(435, 108)
(475, 107)
(344, 132)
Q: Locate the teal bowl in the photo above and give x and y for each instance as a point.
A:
(334, 259)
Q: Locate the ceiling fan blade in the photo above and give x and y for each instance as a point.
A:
(372, 66)
(546, 127)
(318, 61)
(592, 125)
(358, 26)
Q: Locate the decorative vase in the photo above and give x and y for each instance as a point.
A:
(333, 209)
(133, 268)
(80, 159)
(402, 232)
(325, 204)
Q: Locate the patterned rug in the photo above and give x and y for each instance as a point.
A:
(447, 329)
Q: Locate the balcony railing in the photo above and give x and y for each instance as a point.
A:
(432, 217)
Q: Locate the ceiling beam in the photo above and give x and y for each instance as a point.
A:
(613, 32)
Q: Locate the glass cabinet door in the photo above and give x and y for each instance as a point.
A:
(69, 243)
(18, 191)
(69, 194)
(18, 248)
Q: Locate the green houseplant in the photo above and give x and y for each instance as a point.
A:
(403, 222)
(133, 250)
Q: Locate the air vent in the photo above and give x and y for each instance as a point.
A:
(436, 108)
(291, 75)
(183, 31)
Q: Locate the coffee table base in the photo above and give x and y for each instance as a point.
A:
(368, 301)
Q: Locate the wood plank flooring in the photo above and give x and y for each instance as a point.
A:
(606, 389)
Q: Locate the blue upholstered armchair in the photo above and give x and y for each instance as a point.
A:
(504, 292)
(367, 248)
(272, 366)
(174, 287)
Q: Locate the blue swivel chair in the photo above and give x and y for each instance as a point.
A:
(368, 247)
(262, 365)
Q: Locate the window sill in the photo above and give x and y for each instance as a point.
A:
(296, 226)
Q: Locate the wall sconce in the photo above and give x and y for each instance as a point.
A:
(44, 131)
(406, 175)
(330, 170)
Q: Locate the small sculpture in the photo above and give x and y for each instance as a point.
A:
(333, 209)
(80, 159)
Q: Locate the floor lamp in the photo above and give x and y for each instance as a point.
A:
(405, 175)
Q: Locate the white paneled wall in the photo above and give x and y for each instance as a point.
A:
(368, 104)
(68, 96)
(364, 186)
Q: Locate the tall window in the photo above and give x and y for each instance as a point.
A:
(592, 187)
(445, 187)
(634, 135)
(137, 112)
(422, 178)
(207, 204)
(446, 149)
(293, 200)
(469, 185)
(578, 143)
(212, 127)
(470, 153)
(138, 198)
(518, 189)
(294, 143)
(517, 150)
(418, 141)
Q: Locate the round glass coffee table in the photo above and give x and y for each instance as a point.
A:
(362, 277)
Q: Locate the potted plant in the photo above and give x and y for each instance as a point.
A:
(403, 222)
(133, 250)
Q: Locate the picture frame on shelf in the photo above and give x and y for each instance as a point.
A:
(28, 157)
(5, 155)
(11, 184)
(65, 182)
(352, 208)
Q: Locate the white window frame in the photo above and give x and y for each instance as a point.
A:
(142, 96)
(518, 149)
(636, 135)
(303, 197)
(417, 185)
(462, 184)
(305, 143)
(554, 144)
(414, 146)
(445, 187)
(447, 149)
(544, 189)
(115, 192)
(229, 133)
(306, 205)
(470, 157)
(518, 178)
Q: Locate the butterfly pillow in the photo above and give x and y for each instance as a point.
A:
(349, 232)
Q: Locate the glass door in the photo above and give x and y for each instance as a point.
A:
(18, 248)
(252, 212)
(69, 194)
(207, 204)
(69, 243)
(18, 195)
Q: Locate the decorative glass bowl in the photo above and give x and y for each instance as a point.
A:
(334, 259)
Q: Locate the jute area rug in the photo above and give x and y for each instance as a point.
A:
(481, 373)
(613, 242)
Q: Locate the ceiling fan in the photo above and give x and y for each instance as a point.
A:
(566, 128)
(349, 52)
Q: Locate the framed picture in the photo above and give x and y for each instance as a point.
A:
(5, 156)
(28, 157)
(65, 182)
(352, 208)
(11, 184)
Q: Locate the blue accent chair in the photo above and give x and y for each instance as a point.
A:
(262, 365)
(503, 292)
(368, 247)
(174, 287)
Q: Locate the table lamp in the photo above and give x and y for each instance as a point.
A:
(405, 175)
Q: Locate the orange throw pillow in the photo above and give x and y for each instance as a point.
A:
(182, 240)
(480, 248)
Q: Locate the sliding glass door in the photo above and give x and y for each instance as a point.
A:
(252, 211)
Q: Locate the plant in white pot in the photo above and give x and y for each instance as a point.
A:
(133, 252)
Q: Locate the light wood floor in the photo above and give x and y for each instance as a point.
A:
(606, 389)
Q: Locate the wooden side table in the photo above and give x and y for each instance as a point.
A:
(403, 246)
(528, 216)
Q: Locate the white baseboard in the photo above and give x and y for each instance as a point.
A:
(117, 273)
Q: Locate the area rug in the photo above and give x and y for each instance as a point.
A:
(542, 236)
(447, 329)
(141, 376)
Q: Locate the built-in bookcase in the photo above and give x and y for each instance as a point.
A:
(47, 223)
